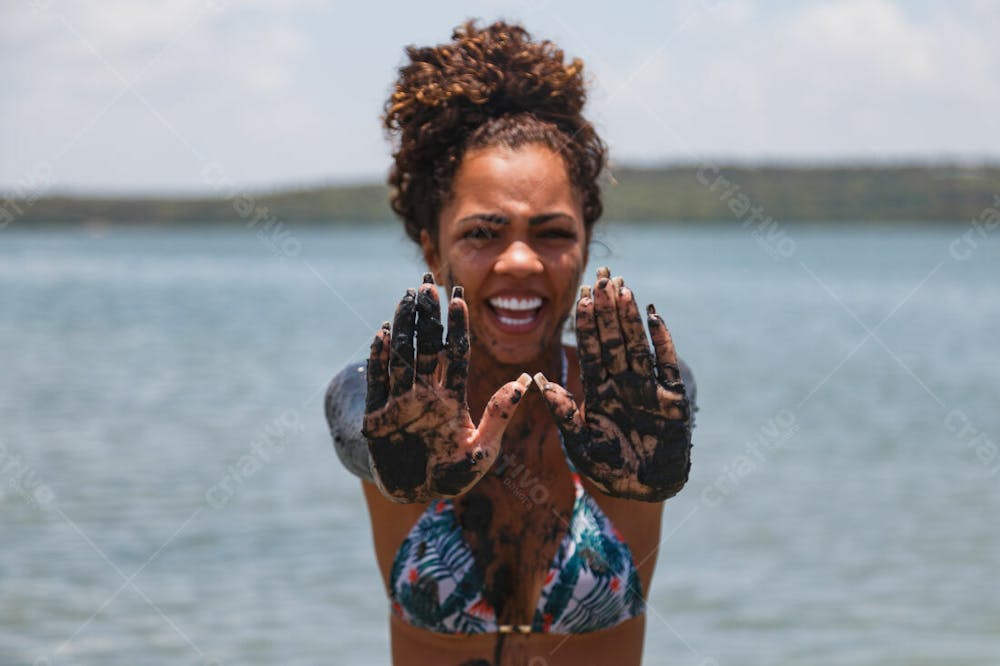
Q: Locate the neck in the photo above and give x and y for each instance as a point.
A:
(486, 375)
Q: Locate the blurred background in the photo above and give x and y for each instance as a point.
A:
(194, 237)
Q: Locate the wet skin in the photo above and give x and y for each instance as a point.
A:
(512, 236)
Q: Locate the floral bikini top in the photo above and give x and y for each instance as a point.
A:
(435, 584)
(592, 583)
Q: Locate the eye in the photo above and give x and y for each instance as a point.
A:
(558, 234)
(479, 233)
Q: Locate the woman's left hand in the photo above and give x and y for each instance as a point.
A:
(631, 434)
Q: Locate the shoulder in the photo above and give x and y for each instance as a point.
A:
(344, 406)
(690, 386)
(687, 376)
(346, 387)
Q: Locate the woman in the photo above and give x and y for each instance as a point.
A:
(529, 537)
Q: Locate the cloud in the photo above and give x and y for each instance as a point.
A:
(858, 78)
(284, 92)
(210, 82)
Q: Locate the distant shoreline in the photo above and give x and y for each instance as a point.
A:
(690, 193)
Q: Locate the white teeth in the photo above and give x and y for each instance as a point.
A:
(516, 303)
(514, 322)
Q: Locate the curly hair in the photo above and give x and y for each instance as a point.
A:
(487, 87)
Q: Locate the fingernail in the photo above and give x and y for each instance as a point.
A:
(540, 381)
(412, 293)
(650, 309)
(386, 326)
(524, 380)
(603, 272)
(458, 292)
(584, 291)
(428, 278)
(602, 283)
(619, 282)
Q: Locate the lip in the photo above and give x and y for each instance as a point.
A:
(511, 312)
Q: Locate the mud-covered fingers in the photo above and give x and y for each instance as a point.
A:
(401, 360)
(666, 356)
(457, 349)
(378, 370)
(588, 341)
(429, 330)
(640, 357)
(680, 409)
(500, 409)
(562, 405)
(606, 314)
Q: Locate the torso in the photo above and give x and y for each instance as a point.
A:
(514, 521)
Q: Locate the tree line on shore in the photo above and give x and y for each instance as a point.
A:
(691, 193)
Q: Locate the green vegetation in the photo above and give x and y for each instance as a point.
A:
(689, 193)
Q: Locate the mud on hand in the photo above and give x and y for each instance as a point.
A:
(631, 434)
(421, 439)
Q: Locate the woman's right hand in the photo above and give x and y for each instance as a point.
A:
(422, 441)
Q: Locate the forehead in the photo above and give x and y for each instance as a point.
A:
(528, 178)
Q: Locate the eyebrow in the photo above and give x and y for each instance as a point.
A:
(495, 218)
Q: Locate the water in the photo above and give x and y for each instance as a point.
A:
(170, 494)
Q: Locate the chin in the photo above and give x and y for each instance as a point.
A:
(522, 351)
(520, 357)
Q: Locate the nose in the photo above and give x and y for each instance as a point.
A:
(518, 260)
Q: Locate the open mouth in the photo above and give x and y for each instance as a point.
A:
(516, 314)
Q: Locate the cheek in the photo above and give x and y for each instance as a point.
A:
(572, 269)
(578, 273)
(566, 272)
(465, 266)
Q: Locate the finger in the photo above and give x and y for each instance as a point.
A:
(588, 342)
(429, 330)
(640, 358)
(606, 313)
(401, 361)
(500, 409)
(563, 407)
(666, 355)
(378, 370)
(458, 345)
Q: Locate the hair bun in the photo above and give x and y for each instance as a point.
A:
(485, 73)
(467, 90)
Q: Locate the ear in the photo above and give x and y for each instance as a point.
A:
(431, 256)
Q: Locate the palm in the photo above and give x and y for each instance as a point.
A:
(631, 435)
(421, 438)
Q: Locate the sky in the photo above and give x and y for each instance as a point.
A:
(163, 96)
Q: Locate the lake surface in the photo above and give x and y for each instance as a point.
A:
(169, 493)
